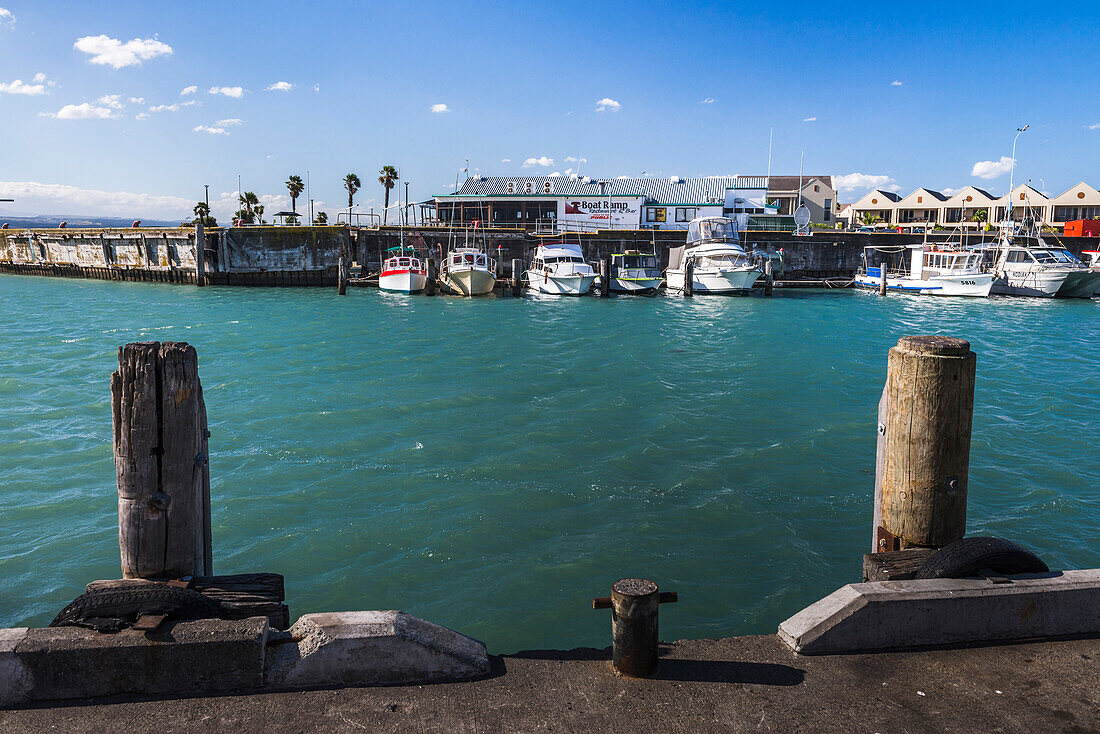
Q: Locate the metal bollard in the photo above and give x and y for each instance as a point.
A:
(633, 604)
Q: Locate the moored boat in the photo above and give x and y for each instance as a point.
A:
(1041, 271)
(635, 273)
(714, 255)
(468, 272)
(560, 269)
(403, 271)
(925, 270)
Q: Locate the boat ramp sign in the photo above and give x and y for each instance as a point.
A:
(619, 211)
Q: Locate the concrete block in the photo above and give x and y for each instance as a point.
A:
(909, 614)
(180, 658)
(371, 648)
(15, 682)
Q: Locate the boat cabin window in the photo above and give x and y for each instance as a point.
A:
(1019, 256)
(718, 261)
(1044, 256)
(468, 258)
(716, 228)
(403, 262)
(637, 261)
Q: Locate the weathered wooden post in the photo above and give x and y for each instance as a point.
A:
(432, 276)
(517, 277)
(200, 254)
(605, 278)
(768, 277)
(927, 412)
(882, 273)
(342, 270)
(160, 445)
(689, 278)
(634, 635)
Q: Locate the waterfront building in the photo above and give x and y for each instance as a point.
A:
(930, 208)
(586, 204)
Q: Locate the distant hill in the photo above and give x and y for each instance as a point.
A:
(80, 221)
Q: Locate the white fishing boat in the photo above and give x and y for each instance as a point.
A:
(1040, 270)
(468, 272)
(936, 270)
(635, 273)
(715, 257)
(560, 269)
(403, 271)
(1093, 257)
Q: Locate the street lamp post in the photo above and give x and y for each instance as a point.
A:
(1012, 170)
(406, 203)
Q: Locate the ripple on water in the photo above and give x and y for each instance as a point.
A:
(431, 454)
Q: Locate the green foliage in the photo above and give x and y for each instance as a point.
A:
(295, 186)
(388, 178)
(352, 184)
(980, 216)
(250, 208)
(322, 218)
(202, 214)
(869, 218)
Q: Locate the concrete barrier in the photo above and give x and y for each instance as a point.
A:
(927, 613)
(15, 681)
(371, 648)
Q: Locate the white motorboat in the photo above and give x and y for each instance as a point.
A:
(468, 272)
(560, 269)
(715, 257)
(930, 271)
(1094, 263)
(403, 271)
(635, 273)
(1041, 270)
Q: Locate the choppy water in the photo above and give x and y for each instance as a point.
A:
(493, 464)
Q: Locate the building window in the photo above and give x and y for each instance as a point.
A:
(816, 188)
(655, 214)
(685, 213)
(920, 199)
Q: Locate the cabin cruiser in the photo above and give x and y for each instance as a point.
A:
(930, 271)
(1042, 271)
(403, 271)
(560, 269)
(714, 256)
(635, 272)
(1094, 263)
(468, 272)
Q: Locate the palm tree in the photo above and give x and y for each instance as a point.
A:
(250, 207)
(351, 183)
(869, 218)
(295, 186)
(388, 178)
(259, 209)
(979, 216)
(322, 218)
(202, 214)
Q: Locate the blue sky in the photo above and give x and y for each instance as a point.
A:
(97, 124)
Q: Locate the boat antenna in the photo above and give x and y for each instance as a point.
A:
(801, 161)
(768, 178)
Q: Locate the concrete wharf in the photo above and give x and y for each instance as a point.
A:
(740, 684)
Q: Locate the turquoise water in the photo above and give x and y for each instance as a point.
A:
(493, 464)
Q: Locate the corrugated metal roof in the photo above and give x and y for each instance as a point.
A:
(658, 190)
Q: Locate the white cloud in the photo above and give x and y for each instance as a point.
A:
(437, 108)
(83, 111)
(229, 123)
(61, 198)
(809, 119)
(951, 191)
(212, 130)
(6, 18)
(708, 100)
(141, 116)
(608, 105)
(895, 83)
(137, 100)
(316, 87)
(188, 90)
(540, 161)
(234, 92)
(856, 181)
(575, 159)
(39, 78)
(280, 87)
(1095, 126)
(112, 52)
(18, 87)
(114, 101)
(505, 160)
(992, 169)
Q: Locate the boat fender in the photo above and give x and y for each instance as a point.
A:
(546, 277)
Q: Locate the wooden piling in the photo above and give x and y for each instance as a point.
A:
(432, 276)
(342, 271)
(689, 278)
(605, 278)
(161, 462)
(517, 277)
(200, 254)
(928, 411)
(882, 273)
(768, 282)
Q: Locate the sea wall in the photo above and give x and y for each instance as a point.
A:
(309, 256)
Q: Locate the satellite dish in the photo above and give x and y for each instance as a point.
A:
(802, 219)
